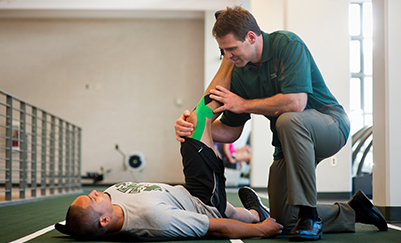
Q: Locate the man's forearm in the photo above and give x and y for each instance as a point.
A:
(228, 228)
(277, 104)
(222, 133)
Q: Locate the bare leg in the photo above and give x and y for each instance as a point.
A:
(242, 214)
(223, 78)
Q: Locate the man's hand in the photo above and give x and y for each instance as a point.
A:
(182, 127)
(231, 101)
(271, 227)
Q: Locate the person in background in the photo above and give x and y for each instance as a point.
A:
(234, 155)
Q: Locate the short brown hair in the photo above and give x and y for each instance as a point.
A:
(237, 21)
(83, 223)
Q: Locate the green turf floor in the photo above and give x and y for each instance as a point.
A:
(17, 221)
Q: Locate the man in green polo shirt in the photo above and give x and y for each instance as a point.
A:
(275, 76)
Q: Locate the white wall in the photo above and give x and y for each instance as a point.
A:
(212, 52)
(186, 5)
(118, 79)
(386, 101)
(322, 30)
(323, 25)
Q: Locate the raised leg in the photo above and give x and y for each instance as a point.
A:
(223, 78)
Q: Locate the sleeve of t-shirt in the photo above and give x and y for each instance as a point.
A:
(295, 68)
(234, 120)
(171, 222)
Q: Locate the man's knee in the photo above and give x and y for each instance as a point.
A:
(288, 121)
(205, 111)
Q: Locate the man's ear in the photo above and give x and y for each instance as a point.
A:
(62, 228)
(104, 221)
(251, 36)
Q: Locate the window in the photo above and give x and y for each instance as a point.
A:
(361, 50)
(360, 30)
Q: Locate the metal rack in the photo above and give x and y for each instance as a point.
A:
(40, 154)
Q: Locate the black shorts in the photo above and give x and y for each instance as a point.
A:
(204, 174)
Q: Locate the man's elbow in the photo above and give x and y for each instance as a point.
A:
(299, 108)
(299, 103)
(234, 134)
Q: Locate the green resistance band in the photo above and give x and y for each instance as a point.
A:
(202, 111)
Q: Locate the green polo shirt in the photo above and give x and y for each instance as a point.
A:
(287, 67)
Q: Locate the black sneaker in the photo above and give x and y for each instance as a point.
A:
(251, 200)
(217, 13)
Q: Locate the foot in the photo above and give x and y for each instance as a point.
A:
(217, 13)
(251, 200)
(365, 212)
(306, 229)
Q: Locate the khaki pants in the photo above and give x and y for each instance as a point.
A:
(306, 138)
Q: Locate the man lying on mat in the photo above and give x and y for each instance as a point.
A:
(156, 210)
(197, 209)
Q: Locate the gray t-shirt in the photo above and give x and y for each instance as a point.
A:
(160, 210)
